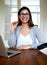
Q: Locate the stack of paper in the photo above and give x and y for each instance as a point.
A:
(44, 51)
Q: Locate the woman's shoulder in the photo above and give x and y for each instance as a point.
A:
(34, 27)
(17, 29)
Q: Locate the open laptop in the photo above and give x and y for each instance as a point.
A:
(7, 53)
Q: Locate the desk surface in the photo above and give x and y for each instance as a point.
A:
(27, 57)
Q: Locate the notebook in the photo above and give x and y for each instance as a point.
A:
(44, 51)
(7, 53)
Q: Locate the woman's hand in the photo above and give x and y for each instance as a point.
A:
(13, 26)
(24, 47)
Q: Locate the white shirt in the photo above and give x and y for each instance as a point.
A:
(24, 40)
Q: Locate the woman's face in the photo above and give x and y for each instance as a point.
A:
(24, 16)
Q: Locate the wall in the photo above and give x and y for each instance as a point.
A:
(43, 17)
(2, 18)
(2, 21)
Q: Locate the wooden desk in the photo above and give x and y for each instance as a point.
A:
(27, 57)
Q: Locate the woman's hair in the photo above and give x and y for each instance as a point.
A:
(30, 22)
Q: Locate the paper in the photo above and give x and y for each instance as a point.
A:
(44, 51)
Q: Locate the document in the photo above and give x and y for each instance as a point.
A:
(44, 51)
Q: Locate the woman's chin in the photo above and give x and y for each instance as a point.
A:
(25, 22)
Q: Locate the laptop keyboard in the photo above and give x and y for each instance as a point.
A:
(9, 53)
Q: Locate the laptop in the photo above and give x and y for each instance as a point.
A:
(7, 53)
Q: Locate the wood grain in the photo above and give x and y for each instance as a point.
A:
(27, 57)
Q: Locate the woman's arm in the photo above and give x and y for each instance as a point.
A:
(12, 37)
(39, 35)
(24, 47)
(42, 42)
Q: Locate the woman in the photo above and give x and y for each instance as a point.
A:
(23, 33)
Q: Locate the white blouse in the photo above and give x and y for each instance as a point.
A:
(24, 40)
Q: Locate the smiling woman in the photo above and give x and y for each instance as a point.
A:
(12, 7)
(24, 33)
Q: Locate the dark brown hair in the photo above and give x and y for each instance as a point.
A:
(30, 22)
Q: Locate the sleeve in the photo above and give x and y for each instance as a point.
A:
(12, 39)
(39, 35)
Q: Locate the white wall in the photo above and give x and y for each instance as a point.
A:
(2, 21)
(43, 17)
(2, 18)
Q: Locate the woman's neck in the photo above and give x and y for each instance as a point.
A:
(25, 25)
